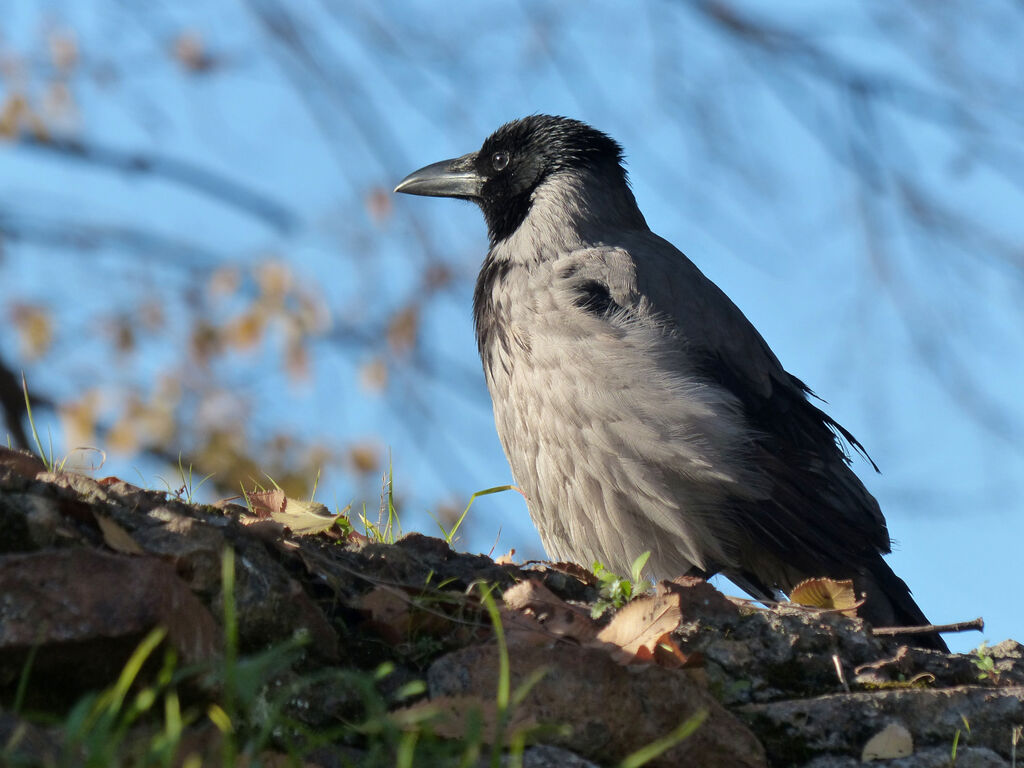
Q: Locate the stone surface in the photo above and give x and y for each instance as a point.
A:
(545, 756)
(25, 744)
(933, 757)
(795, 731)
(272, 606)
(84, 607)
(193, 546)
(612, 709)
(85, 611)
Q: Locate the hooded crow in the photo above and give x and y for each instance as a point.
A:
(638, 407)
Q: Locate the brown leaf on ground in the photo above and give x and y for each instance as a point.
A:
(549, 612)
(266, 503)
(302, 518)
(665, 653)
(829, 594)
(524, 629)
(891, 742)
(117, 538)
(642, 624)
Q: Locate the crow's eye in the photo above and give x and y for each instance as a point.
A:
(499, 160)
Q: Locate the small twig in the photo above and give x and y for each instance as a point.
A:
(960, 626)
(839, 672)
(494, 546)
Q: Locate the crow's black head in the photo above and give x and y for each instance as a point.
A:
(513, 162)
(523, 154)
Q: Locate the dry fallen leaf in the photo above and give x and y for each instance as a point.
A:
(524, 630)
(548, 613)
(117, 538)
(892, 741)
(826, 593)
(302, 518)
(643, 623)
(665, 653)
(266, 503)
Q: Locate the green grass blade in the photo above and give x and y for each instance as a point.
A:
(32, 423)
(26, 671)
(449, 536)
(659, 746)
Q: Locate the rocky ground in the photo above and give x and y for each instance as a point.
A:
(89, 567)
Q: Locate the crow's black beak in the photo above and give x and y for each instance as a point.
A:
(449, 178)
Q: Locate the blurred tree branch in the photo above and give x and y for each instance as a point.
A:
(186, 174)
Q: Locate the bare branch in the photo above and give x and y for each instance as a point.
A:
(977, 624)
(87, 236)
(186, 174)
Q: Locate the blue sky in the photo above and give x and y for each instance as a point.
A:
(897, 329)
